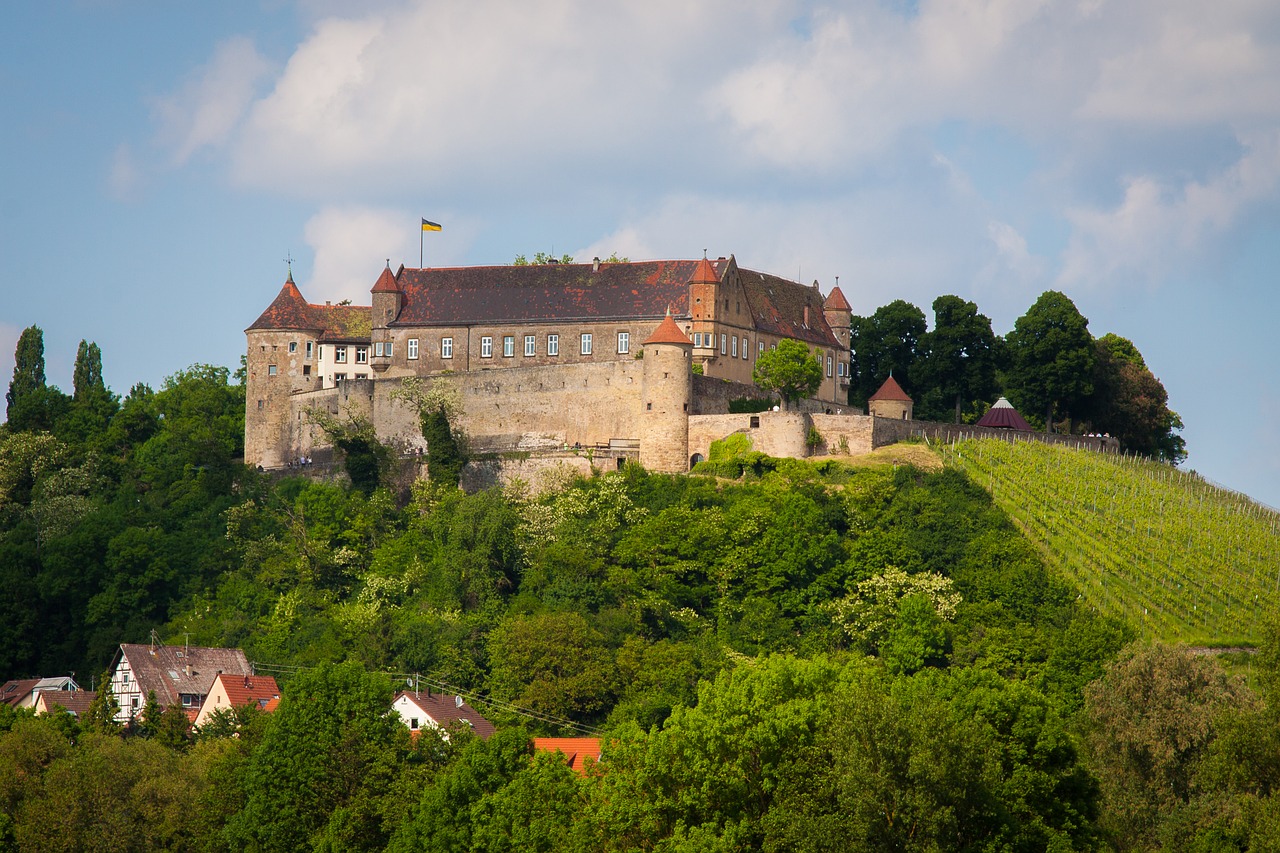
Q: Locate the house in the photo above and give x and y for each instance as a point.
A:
(548, 352)
(576, 750)
(238, 691)
(179, 675)
(890, 401)
(420, 709)
(76, 703)
(23, 693)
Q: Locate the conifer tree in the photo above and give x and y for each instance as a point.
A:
(24, 398)
(101, 716)
(88, 372)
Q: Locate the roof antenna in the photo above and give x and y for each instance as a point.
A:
(288, 259)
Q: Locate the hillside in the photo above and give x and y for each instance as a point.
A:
(1175, 557)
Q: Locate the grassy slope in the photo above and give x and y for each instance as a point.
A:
(1179, 559)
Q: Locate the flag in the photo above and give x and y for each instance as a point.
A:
(428, 225)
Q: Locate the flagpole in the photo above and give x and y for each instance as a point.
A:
(420, 239)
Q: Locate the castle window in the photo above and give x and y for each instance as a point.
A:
(744, 348)
(340, 355)
(828, 365)
(486, 347)
(840, 368)
(446, 347)
(697, 339)
(306, 370)
(413, 348)
(310, 348)
(377, 349)
(362, 355)
(260, 403)
(271, 370)
(530, 345)
(735, 346)
(648, 407)
(585, 346)
(762, 347)
(389, 346)
(338, 377)
(508, 346)
(553, 344)
(293, 347)
(724, 344)
(624, 342)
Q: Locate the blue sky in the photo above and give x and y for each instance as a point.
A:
(161, 161)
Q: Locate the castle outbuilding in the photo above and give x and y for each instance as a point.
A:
(891, 401)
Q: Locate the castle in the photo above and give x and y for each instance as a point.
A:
(631, 360)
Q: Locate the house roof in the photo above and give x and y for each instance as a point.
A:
(289, 311)
(445, 708)
(668, 333)
(386, 282)
(704, 273)
(891, 390)
(836, 301)
(164, 669)
(75, 702)
(1002, 415)
(778, 307)
(575, 749)
(16, 691)
(241, 690)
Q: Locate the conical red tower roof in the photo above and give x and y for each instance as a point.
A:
(836, 301)
(668, 333)
(891, 390)
(288, 311)
(386, 283)
(704, 273)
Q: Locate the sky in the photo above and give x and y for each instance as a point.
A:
(162, 163)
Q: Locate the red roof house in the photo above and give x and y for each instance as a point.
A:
(576, 750)
(420, 709)
(237, 691)
(1003, 415)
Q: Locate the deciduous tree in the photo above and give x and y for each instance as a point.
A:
(957, 358)
(1051, 359)
(791, 371)
(886, 342)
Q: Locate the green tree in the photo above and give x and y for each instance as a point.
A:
(957, 358)
(791, 371)
(1051, 357)
(101, 716)
(886, 342)
(553, 663)
(1131, 404)
(30, 403)
(92, 405)
(445, 459)
(541, 258)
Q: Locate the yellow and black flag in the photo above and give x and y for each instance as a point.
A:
(428, 225)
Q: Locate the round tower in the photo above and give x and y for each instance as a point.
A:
(665, 393)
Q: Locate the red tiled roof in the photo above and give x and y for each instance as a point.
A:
(778, 306)
(668, 333)
(705, 273)
(14, 692)
(444, 709)
(891, 390)
(257, 690)
(575, 749)
(386, 283)
(290, 312)
(75, 702)
(836, 301)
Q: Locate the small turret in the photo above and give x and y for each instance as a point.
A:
(388, 299)
(890, 401)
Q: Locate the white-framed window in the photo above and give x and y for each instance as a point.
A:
(624, 343)
(584, 347)
(339, 377)
(293, 347)
(839, 368)
(311, 348)
(530, 345)
(724, 342)
(734, 339)
(697, 339)
(744, 347)
(762, 347)
(390, 344)
(340, 355)
(377, 349)
(553, 344)
(413, 723)
(362, 355)
(829, 360)
(271, 370)
(412, 351)
(508, 346)
(446, 347)
(486, 347)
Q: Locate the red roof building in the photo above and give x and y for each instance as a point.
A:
(238, 691)
(178, 675)
(1002, 415)
(890, 401)
(576, 750)
(422, 709)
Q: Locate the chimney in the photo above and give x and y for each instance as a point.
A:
(595, 264)
(806, 316)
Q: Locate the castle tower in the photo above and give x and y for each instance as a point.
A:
(387, 301)
(890, 402)
(839, 316)
(703, 296)
(280, 361)
(665, 395)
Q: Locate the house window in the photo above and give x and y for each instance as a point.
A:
(340, 355)
(553, 344)
(377, 349)
(486, 347)
(624, 342)
(530, 345)
(828, 365)
(762, 347)
(293, 347)
(259, 406)
(310, 348)
(735, 346)
(744, 348)
(840, 369)
(724, 342)
(697, 339)
(585, 346)
(338, 377)
(508, 346)
(271, 370)
(413, 348)
(362, 355)
(413, 723)
(389, 346)
(446, 347)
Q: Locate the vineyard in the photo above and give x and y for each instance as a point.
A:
(1179, 559)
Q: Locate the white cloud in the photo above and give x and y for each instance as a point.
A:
(209, 106)
(1159, 226)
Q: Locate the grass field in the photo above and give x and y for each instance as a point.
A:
(1178, 558)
